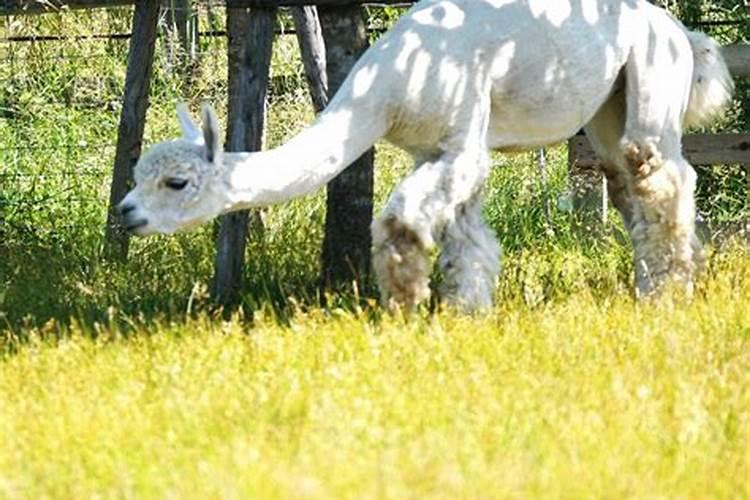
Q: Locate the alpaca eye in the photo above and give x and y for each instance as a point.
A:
(175, 183)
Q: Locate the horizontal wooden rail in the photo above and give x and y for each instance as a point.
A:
(738, 59)
(13, 7)
(699, 149)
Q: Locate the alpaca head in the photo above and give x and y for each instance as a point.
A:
(179, 184)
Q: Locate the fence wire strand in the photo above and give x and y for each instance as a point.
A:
(60, 103)
(63, 77)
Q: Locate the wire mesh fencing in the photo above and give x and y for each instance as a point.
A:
(62, 77)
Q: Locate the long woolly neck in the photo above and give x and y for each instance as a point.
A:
(306, 162)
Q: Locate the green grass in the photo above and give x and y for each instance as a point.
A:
(579, 397)
(119, 380)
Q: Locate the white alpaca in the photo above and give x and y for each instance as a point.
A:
(452, 80)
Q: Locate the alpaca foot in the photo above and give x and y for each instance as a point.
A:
(401, 264)
(469, 260)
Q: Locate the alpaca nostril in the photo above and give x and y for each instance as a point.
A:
(126, 209)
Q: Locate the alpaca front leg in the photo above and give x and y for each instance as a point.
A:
(416, 214)
(469, 259)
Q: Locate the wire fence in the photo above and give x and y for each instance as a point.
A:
(62, 80)
(62, 77)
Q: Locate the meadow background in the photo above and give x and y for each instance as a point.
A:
(119, 379)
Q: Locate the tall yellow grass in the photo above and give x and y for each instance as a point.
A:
(577, 397)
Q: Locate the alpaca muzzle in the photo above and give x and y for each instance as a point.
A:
(129, 217)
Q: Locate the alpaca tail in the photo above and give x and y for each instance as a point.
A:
(712, 84)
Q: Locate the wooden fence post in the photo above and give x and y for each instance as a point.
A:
(250, 45)
(182, 31)
(313, 51)
(587, 186)
(132, 119)
(346, 244)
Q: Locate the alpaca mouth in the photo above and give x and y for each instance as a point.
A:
(132, 227)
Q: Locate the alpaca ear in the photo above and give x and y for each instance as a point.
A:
(190, 131)
(211, 135)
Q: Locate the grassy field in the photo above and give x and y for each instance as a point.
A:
(581, 397)
(119, 380)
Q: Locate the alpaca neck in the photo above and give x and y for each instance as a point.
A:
(306, 162)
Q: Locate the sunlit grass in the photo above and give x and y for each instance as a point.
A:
(580, 397)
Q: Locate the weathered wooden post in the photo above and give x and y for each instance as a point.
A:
(313, 51)
(586, 185)
(346, 245)
(250, 45)
(183, 26)
(132, 119)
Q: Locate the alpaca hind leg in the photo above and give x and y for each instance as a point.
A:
(663, 232)
(469, 260)
(662, 181)
(605, 133)
(417, 212)
(619, 193)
